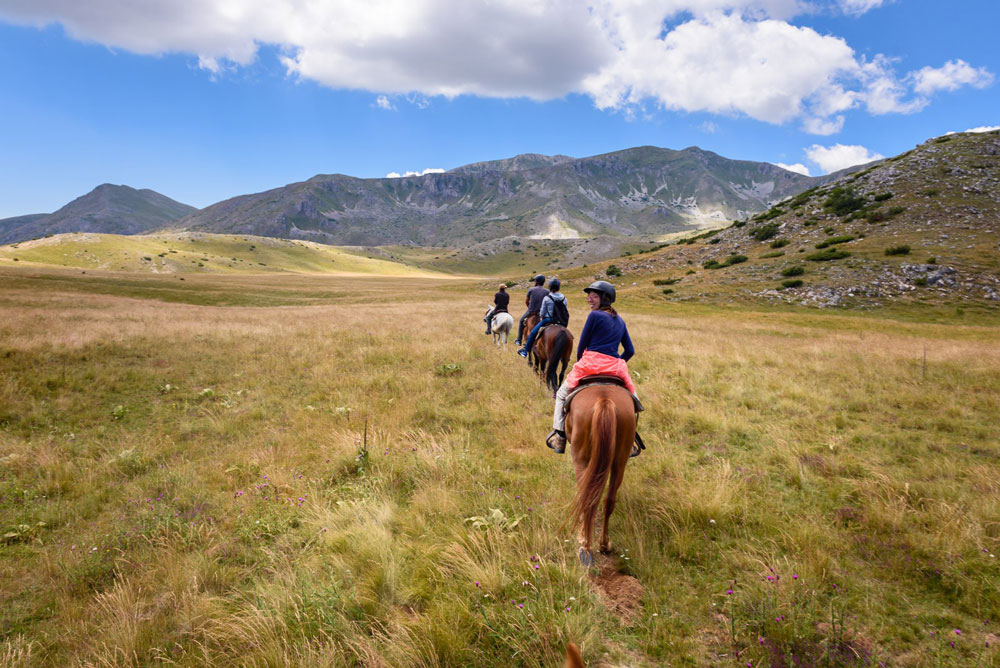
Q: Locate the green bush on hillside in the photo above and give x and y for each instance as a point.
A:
(793, 271)
(827, 255)
(765, 232)
(898, 250)
(613, 270)
(832, 241)
(792, 283)
(780, 243)
(843, 201)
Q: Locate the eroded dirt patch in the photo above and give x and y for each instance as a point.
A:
(620, 592)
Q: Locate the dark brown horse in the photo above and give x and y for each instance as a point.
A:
(600, 427)
(553, 345)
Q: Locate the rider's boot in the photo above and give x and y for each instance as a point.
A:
(557, 441)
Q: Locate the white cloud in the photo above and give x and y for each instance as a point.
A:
(859, 7)
(823, 126)
(709, 127)
(951, 76)
(429, 170)
(840, 156)
(732, 57)
(798, 168)
(984, 128)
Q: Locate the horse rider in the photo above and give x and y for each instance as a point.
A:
(547, 314)
(500, 302)
(533, 300)
(596, 354)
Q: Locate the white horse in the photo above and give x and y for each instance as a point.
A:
(501, 325)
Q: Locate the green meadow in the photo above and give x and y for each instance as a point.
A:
(247, 468)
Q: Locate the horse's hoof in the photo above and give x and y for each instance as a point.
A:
(605, 549)
(586, 558)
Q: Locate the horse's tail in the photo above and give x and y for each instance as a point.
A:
(591, 485)
(555, 356)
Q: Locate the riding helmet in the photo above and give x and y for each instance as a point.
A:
(554, 285)
(539, 279)
(602, 286)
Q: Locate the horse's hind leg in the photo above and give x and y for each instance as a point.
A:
(617, 473)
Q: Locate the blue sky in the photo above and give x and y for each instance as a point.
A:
(206, 100)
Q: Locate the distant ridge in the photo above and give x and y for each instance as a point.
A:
(638, 192)
(108, 209)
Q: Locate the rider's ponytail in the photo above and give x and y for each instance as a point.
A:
(606, 305)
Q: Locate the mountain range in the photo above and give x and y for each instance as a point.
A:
(639, 192)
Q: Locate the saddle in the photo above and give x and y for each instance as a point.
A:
(588, 381)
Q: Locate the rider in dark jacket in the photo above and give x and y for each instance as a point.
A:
(533, 300)
(500, 302)
(545, 314)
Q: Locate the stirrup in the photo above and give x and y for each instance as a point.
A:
(556, 441)
(637, 446)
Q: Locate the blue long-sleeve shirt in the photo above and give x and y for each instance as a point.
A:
(602, 333)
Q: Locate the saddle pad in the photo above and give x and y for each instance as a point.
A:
(616, 383)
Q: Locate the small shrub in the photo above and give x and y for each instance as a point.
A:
(690, 271)
(843, 201)
(773, 212)
(932, 260)
(792, 283)
(898, 250)
(881, 197)
(734, 259)
(776, 254)
(665, 281)
(512, 283)
(739, 223)
(876, 216)
(668, 291)
(613, 270)
(920, 281)
(829, 230)
(932, 192)
(895, 211)
(827, 255)
(780, 243)
(809, 222)
(765, 232)
(793, 271)
(832, 241)
(711, 264)
(714, 240)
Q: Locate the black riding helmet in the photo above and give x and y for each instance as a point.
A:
(554, 285)
(603, 287)
(540, 279)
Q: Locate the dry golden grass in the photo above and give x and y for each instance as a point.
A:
(309, 477)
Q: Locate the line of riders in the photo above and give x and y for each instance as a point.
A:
(597, 351)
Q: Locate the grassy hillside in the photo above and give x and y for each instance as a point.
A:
(196, 253)
(344, 471)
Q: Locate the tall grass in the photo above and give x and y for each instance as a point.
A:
(295, 481)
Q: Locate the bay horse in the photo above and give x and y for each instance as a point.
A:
(600, 427)
(553, 345)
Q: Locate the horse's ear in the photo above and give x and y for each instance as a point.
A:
(573, 657)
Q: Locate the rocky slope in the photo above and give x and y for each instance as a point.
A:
(106, 209)
(923, 226)
(637, 192)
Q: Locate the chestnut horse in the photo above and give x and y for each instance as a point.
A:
(529, 324)
(553, 345)
(600, 427)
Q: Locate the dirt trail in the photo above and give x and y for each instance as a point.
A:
(620, 592)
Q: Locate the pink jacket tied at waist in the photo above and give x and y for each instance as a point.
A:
(593, 363)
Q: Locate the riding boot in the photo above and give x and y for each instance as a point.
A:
(557, 439)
